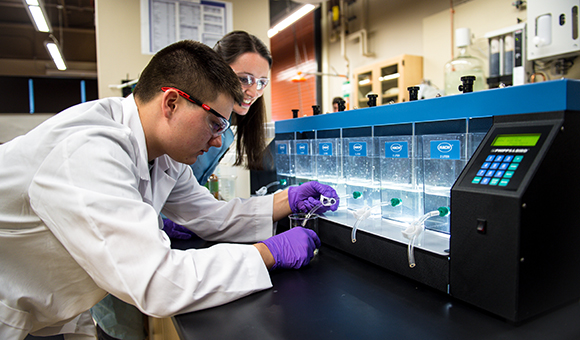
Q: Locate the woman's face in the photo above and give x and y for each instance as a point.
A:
(251, 68)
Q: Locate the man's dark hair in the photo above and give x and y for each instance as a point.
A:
(191, 67)
(337, 100)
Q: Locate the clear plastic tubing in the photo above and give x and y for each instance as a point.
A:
(361, 215)
(442, 211)
(394, 202)
(324, 201)
(264, 190)
(364, 212)
(355, 195)
(310, 213)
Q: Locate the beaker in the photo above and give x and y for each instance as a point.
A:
(227, 187)
(300, 220)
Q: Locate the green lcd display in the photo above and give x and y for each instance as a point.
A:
(523, 139)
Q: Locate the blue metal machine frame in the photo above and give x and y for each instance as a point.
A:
(548, 96)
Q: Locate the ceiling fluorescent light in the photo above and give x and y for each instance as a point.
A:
(38, 15)
(54, 51)
(302, 11)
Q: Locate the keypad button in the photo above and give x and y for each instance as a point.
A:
(497, 170)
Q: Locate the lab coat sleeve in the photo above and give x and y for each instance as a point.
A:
(87, 193)
(239, 220)
(81, 327)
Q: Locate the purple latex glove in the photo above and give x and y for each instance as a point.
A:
(293, 248)
(174, 230)
(305, 197)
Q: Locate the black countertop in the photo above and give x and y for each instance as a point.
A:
(338, 296)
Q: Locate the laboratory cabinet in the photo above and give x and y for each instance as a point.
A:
(387, 79)
(467, 194)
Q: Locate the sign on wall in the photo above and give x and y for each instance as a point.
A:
(164, 22)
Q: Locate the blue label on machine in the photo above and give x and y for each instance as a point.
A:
(357, 149)
(302, 148)
(445, 149)
(396, 150)
(325, 149)
(282, 149)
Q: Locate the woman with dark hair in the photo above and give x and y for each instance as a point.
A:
(251, 60)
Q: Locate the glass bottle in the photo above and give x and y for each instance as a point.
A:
(463, 65)
(214, 186)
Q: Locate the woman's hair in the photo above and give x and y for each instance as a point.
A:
(191, 67)
(251, 139)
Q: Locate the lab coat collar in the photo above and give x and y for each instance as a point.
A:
(162, 181)
(132, 120)
(156, 185)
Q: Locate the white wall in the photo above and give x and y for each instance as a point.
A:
(481, 16)
(118, 37)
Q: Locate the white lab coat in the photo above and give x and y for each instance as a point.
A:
(79, 218)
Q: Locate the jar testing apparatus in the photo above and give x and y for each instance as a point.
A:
(507, 242)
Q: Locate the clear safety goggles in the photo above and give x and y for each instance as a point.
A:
(248, 80)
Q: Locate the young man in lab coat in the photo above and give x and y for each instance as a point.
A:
(81, 194)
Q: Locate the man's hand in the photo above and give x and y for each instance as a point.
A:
(291, 249)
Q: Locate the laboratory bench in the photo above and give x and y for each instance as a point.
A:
(339, 296)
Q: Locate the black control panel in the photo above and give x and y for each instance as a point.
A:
(506, 157)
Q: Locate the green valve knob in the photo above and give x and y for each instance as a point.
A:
(395, 202)
(443, 211)
(283, 182)
(356, 194)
